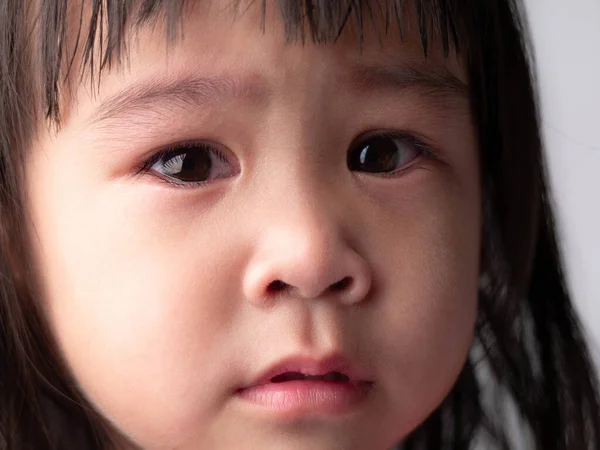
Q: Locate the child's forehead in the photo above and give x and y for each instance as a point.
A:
(252, 42)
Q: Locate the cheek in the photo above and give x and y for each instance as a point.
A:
(140, 315)
(430, 266)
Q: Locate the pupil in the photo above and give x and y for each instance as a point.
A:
(379, 155)
(195, 166)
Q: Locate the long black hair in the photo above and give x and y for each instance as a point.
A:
(529, 352)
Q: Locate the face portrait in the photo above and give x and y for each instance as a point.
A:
(246, 243)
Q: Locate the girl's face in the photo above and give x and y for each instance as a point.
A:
(338, 218)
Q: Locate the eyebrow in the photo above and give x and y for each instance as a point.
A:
(167, 93)
(164, 94)
(429, 80)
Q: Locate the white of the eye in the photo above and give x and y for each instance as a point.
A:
(408, 154)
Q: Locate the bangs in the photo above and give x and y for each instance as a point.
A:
(102, 38)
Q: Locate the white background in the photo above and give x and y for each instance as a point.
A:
(566, 37)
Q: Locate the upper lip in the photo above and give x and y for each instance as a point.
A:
(308, 365)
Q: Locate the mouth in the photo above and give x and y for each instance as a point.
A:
(336, 368)
(300, 385)
(291, 376)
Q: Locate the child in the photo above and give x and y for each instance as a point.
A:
(285, 292)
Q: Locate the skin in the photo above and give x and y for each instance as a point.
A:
(158, 295)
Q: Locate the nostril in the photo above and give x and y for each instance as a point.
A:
(276, 286)
(342, 284)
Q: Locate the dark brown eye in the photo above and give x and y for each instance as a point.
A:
(192, 163)
(383, 154)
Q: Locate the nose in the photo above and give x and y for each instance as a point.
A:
(305, 254)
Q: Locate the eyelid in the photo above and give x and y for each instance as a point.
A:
(417, 139)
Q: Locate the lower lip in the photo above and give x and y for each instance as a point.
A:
(307, 396)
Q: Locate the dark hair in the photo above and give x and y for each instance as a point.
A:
(529, 343)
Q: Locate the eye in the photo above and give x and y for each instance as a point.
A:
(190, 164)
(385, 153)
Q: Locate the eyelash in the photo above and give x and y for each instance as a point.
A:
(425, 151)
